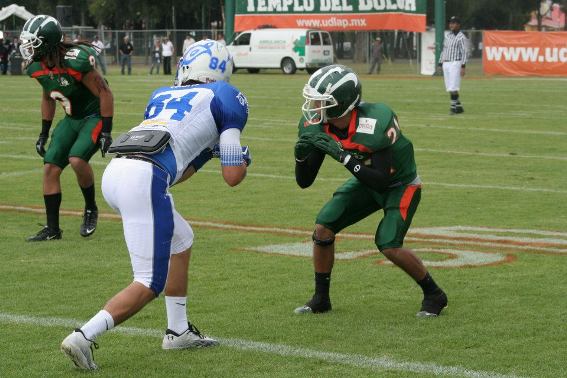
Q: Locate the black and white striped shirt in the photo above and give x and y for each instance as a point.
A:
(454, 48)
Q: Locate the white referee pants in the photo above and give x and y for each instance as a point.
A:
(153, 229)
(452, 76)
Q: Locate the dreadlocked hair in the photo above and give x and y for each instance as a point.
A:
(56, 57)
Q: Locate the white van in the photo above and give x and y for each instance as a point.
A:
(288, 49)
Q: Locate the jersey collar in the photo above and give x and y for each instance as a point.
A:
(347, 143)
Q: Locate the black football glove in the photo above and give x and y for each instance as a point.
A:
(40, 144)
(104, 140)
(303, 148)
(326, 144)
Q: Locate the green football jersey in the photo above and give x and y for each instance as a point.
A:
(373, 127)
(65, 84)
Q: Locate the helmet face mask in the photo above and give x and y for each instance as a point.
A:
(29, 45)
(40, 35)
(316, 104)
(204, 62)
(330, 93)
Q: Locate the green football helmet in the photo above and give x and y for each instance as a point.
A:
(40, 36)
(330, 93)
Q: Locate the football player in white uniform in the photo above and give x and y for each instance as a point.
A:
(199, 116)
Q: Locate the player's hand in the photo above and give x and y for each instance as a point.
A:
(462, 71)
(40, 144)
(216, 151)
(327, 145)
(104, 140)
(302, 149)
(246, 155)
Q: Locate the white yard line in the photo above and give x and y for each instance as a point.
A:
(270, 122)
(4, 175)
(348, 359)
(339, 180)
(444, 235)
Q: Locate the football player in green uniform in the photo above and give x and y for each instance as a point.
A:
(366, 139)
(68, 75)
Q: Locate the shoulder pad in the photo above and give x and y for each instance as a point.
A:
(33, 67)
(80, 58)
(380, 112)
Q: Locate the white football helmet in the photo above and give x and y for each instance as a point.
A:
(204, 61)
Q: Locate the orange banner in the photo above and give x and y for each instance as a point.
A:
(333, 22)
(525, 53)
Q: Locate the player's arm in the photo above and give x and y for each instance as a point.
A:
(306, 169)
(47, 114)
(230, 111)
(377, 176)
(196, 164)
(98, 86)
(232, 157)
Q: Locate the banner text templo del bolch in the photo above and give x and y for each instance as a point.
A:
(525, 53)
(332, 15)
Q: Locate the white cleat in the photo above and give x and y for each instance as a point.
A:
(79, 349)
(191, 338)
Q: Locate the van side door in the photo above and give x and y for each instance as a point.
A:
(327, 49)
(240, 50)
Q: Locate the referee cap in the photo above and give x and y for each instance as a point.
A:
(455, 20)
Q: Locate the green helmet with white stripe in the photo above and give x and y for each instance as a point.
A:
(331, 92)
(40, 36)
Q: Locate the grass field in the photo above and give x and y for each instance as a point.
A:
(498, 172)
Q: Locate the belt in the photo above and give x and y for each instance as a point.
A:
(142, 158)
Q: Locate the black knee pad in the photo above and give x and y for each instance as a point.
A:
(324, 242)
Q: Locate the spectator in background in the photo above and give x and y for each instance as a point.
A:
(205, 36)
(101, 57)
(167, 51)
(126, 50)
(156, 56)
(4, 54)
(220, 39)
(189, 40)
(376, 56)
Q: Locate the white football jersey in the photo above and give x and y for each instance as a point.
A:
(195, 116)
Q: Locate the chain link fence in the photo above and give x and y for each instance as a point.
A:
(401, 50)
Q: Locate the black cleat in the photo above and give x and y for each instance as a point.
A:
(432, 304)
(90, 218)
(46, 233)
(316, 305)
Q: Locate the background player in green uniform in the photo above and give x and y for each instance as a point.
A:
(67, 75)
(367, 140)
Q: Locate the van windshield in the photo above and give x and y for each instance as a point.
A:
(314, 38)
(242, 40)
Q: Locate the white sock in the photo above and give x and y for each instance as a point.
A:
(98, 324)
(176, 308)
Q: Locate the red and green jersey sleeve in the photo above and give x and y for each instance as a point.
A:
(65, 85)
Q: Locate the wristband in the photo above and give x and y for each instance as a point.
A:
(352, 165)
(45, 126)
(106, 124)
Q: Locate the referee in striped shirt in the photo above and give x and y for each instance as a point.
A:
(453, 60)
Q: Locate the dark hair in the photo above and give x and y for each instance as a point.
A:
(57, 56)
